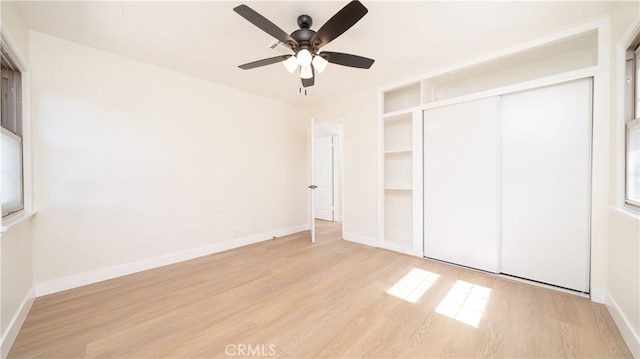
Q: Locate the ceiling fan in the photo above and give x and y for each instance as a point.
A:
(306, 43)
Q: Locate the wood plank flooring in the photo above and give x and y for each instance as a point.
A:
(291, 299)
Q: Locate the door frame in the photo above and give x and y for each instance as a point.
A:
(311, 211)
(334, 128)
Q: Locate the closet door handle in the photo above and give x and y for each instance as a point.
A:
(313, 186)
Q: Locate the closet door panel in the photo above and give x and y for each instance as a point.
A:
(545, 176)
(461, 184)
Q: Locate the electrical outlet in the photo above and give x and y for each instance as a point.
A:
(235, 232)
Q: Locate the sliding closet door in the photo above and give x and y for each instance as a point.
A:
(461, 184)
(546, 171)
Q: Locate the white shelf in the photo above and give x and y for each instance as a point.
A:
(398, 170)
(398, 134)
(568, 51)
(399, 115)
(402, 150)
(402, 98)
(564, 55)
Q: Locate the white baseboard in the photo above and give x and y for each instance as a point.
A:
(10, 335)
(629, 334)
(367, 241)
(81, 279)
(402, 250)
(373, 242)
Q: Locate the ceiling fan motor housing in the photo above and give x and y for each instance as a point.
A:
(305, 21)
(303, 35)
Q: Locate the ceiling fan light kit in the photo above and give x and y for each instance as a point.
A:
(291, 64)
(305, 72)
(319, 63)
(304, 57)
(306, 43)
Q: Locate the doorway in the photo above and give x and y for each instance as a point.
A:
(327, 160)
(323, 163)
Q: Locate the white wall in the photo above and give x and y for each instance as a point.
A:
(134, 162)
(360, 160)
(16, 283)
(14, 25)
(623, 275)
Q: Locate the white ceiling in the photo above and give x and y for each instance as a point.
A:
(208, 39)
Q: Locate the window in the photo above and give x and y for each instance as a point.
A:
(11, 137)
(632, 126)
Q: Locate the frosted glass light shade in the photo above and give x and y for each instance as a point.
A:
(305, 72)
(291, 64)
(304, 57)
(319, 63)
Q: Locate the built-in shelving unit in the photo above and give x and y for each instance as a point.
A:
(398, 226)
(564, 56)
(398, 152)
(401, 156)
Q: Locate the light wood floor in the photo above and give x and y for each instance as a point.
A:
(289, 298)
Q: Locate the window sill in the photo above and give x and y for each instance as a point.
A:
(16, 219)
(628, 212)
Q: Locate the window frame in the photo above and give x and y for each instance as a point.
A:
(628, 127)
(631, 113)
(15, 63)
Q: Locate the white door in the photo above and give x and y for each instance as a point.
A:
(546, 171)
(312, 187)
(461, 184)
(323, 177)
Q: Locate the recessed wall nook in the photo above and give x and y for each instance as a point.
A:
(416, 116)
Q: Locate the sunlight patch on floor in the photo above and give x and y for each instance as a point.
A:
(465, 302)
(413, 285)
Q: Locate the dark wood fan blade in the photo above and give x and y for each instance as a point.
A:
(339, 23)
(347, 59)
(264, 24)
(311, 81)
(264, 62)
